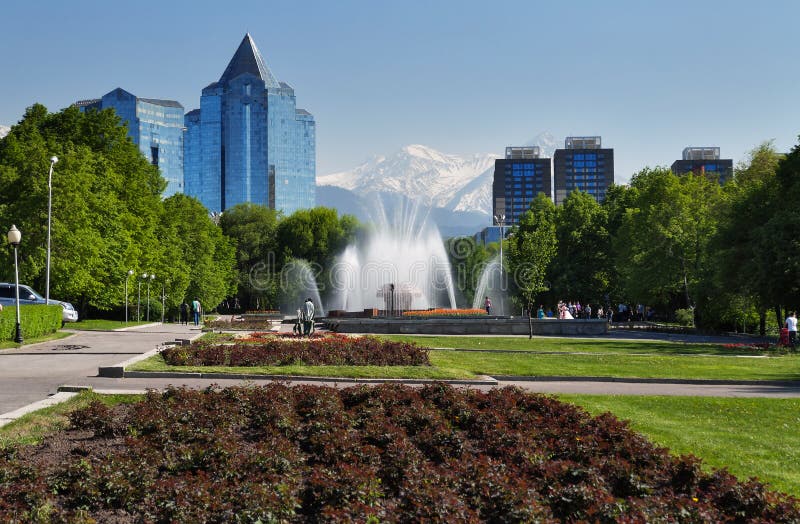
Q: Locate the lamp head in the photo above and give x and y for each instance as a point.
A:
(14, 236)
(152, 276)
(54, 159)
(144, 275)
(130, 272)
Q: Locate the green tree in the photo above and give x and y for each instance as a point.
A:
(580, 269)
(316, 235)
(468, 259)
(532, 247)
(106, 203)
(662, 244)
(198, 260)
(254, 229)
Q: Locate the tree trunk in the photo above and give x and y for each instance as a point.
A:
(762, 323)
(530, 322)
(778, 317)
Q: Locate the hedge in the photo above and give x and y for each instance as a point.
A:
(35, 321)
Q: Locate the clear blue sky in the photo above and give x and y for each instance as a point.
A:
(460, 76)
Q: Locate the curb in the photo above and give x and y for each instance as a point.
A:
(698, 382)
(484, 381)
(131, 328)
(118, 370)
(11, 416)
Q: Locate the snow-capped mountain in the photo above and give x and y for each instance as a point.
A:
(418, 172)
(434, 178)
(4, 131)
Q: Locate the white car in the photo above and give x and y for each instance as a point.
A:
(27, 297)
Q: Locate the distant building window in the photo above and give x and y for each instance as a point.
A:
(154, 155)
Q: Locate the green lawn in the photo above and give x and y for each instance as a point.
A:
(103, 325)
(31, 428)
(628, 366)
(750, 436)
(156, 363)
(571, 345)
(35, 340)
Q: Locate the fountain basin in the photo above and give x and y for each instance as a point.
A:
(468, 326)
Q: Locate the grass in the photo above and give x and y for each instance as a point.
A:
(33, 427)
(156, 363)
(35, 340)
(571, 345)
(103, 325)
(623, 366)
(750, 436)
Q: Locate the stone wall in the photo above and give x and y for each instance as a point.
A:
(468, 326)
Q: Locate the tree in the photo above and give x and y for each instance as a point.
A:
(199, 261)
(254, 230)
(106, 203)
(468, 260)
(532, 246)
(580, 269)
(662, 244)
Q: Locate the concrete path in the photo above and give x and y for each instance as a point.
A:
(34, 373)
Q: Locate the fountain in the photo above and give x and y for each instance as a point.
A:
(492, 283)
(401, 265)
(297, 284)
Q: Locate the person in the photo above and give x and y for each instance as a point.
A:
(540, 312)
(587, 311)
(487, 304)
(196, 310)
(308, 317)
(298, 324)
(600, 312)
(184, 313)
(791, 325)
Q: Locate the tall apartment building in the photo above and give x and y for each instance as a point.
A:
(155, 125)
(248, 142)
(583, 164)
(518, 178)
(704, 161)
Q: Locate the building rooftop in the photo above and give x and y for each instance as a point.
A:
(514, 153)
(193, 112)
(247, 59)
(84, 103)
(159, 102)
(582, 142)
(701, 153)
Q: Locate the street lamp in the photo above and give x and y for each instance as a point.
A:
(163, 300)
(53, 161)
(128, 275)
(501, 221)
(152, 277)
(139, 299)
(14, 238)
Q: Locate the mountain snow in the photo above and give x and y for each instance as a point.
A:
(435, 179)
(4, 131)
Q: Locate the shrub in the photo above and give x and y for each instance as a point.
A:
(389, 453)
(35, 321)
(684, 317)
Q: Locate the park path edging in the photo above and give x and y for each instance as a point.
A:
(635, 380)
(11, 416)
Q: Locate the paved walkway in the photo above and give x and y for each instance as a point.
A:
(35, 372)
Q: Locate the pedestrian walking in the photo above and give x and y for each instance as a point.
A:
(308, 317)
(791, 326)
(298, 323)
(184, 313)
(196, 310)
(487, 305)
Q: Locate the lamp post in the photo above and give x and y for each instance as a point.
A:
(152, 277)
(53, 161)
(163, 299)
(14, 238)
(139, 299)
(127, 276)
(501, 221)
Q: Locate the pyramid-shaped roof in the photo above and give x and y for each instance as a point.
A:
(247, 59)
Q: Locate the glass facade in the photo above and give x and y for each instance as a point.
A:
(583, 166)
(249, 142)
(517, 181)
(156, 126)
(720, 169)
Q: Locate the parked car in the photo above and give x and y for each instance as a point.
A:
(27, 297)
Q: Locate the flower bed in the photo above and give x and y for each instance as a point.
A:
(284, 351)
(446, 313)
(389, 453)
(239, 323)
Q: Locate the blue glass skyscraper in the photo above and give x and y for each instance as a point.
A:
(156, 126)
(248, 142)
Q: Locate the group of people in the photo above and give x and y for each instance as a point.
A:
(304, 325)
(196, 309)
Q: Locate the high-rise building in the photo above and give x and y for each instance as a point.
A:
(704, 161)
(156, 126)
(584, 165)
(248, 142)
(518, 178)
